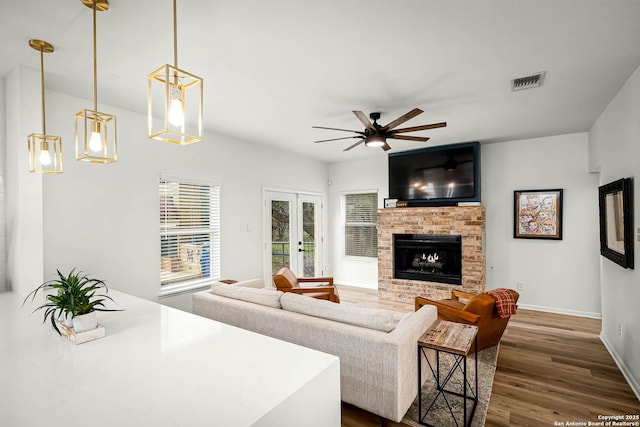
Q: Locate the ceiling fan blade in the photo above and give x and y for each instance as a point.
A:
(423, 127)
(364, 120)
(409, 138)
(336, 139)
(344, 130)
(354, 145)
(386, 147)
(400, 120)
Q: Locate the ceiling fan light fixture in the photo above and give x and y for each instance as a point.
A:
(375, 135)
(375, 141)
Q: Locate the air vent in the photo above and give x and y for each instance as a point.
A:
(527, 82)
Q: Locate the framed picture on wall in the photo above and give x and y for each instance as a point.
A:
(616, 221)
(390, 203)
(537, 214)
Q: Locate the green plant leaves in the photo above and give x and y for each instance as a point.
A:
(76, 294)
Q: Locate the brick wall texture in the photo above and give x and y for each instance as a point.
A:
(467, 221)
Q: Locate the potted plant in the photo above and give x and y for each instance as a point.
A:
(76, 297)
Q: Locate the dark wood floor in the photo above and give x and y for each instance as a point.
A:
(551, 368)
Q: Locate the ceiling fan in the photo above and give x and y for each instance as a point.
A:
(375, 135)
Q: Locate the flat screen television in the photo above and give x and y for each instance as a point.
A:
(437, 176)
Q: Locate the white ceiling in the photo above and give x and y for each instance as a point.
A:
(272, 69)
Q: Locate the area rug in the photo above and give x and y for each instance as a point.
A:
(439, 415)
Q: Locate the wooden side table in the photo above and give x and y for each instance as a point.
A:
(454, 339)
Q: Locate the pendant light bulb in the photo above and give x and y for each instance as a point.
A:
(45, 158)
(176, 109)
(95, 141)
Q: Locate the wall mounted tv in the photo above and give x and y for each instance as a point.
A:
(438, 176)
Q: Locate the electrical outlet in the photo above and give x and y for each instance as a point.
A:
(520, 285)
(620, 329)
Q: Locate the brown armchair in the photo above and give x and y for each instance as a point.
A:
(286, 281)
(479, 310)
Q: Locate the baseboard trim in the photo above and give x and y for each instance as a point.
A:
(635, 386)
(560, 311)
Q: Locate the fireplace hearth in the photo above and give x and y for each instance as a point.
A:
(428, 257)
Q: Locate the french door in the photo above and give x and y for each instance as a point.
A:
(293, 235)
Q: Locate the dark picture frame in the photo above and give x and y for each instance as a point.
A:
(537, 214)
(616, 221)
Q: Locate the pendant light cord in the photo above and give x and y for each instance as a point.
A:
(175, 35)
(44, 116)
(95, 63)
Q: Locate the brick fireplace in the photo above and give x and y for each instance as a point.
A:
(465, 221)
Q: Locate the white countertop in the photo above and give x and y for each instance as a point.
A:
(158, 366)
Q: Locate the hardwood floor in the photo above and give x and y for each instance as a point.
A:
(551, 368)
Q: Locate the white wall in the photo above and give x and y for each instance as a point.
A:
(23, 189)
(558, 275)
(354, 176)
(614, 142)
(3, 215)
(104, 219)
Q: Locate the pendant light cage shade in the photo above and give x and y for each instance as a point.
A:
(96, 137)
(174, 106)
(45, 153)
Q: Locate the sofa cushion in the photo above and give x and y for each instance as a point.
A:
(372, 318)
(399, 317)
(251, 283)
(268, 297)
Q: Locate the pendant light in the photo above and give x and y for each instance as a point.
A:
(174, 101)
(45, 151)
(95, 132)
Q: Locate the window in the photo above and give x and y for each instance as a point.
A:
(189, 234)
(360, 219)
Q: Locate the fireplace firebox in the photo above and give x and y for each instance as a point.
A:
(428, 257)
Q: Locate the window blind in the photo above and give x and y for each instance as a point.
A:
(360, 232)
(189, 231)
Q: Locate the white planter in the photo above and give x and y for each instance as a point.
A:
(85, 322)
(66, 319)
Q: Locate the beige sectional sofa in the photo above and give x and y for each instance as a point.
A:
(377, 348)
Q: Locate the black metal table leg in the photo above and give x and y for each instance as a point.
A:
(459, 353)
